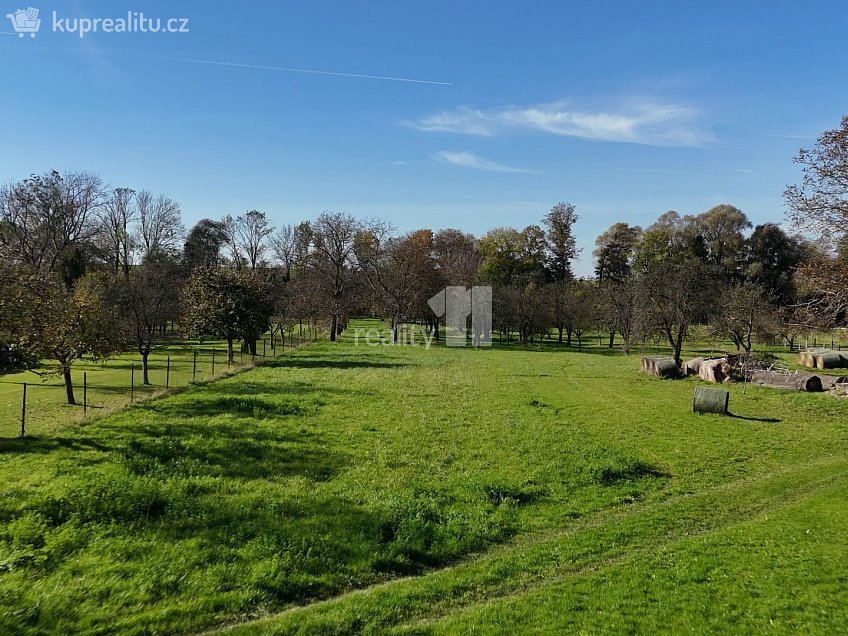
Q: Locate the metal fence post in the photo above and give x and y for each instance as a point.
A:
(84, 393)
(194, 366)
(213, 362)
(168, 372)
(132, 382)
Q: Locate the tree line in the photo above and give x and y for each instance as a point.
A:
(90, 270)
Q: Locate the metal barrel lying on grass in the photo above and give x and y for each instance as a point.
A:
(709, 400)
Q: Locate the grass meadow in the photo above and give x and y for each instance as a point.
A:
(352, 489)
(116, 382)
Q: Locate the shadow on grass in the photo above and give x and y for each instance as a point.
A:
(769, 420)
(30, 444)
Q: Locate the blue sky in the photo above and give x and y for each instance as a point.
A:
(624, 109)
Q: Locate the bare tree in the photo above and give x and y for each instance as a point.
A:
(675, 295)
(333, 236)
(248, 236)
(160, 229)
(284, 248)
(149, 295)
(118, 215)
(619, 303)
(558, 294)
(820, 204)
(44, 216)
(744, 310)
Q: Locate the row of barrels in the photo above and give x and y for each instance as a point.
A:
(823, 359)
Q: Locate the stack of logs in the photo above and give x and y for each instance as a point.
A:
(720, 370)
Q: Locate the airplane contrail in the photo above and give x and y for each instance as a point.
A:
(303, 70)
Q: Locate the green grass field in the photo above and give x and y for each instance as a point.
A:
(109, 383)
(344, 489)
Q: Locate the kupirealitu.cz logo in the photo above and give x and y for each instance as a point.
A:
(27, 21)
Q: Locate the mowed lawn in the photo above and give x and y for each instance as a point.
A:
(347, 489)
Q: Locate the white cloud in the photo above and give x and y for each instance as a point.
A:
(637, 121)
(470, 160)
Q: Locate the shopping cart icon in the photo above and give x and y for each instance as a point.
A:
(25, 21)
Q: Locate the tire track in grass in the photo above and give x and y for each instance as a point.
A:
(539, 559)
(814, 490)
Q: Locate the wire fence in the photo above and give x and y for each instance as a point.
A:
(30, 405)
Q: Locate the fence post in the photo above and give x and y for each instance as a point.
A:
(264, 342)
(194, 366)
(23, 412)
(132, 382)
(168, 371)
(213, 362)
(84, 393)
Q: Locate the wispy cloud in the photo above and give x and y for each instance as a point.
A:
(470, 160)
(637, 121)
(781, 136)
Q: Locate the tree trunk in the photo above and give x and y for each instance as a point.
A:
(611, 339)
(69, 387)
(144, 367)
(797, 381)
(436, 329)
(567, 337)
(230, 353)
(559, 329)
(333, 327)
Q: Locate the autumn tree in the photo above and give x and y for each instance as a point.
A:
(398, 270)
(229, 304)
(61, 325)
(457, 257)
